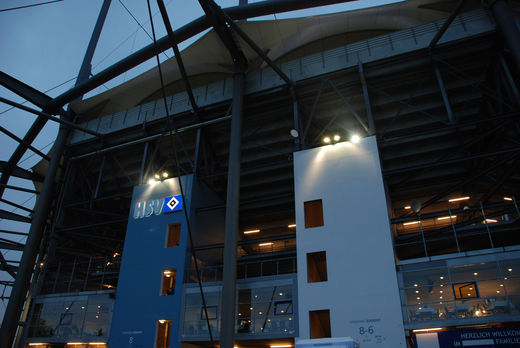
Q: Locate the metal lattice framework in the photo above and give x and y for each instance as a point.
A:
(445, 117)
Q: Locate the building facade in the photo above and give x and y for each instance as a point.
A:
(378, 192)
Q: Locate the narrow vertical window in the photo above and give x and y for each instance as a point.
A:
(163, 333)
(174, 235)
(319, 323)
(168, 282)
(313, 213)
(317, 267)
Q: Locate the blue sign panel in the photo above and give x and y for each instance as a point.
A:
(173, 203)
(497, 337)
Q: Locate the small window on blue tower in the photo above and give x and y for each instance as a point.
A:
(163, 333)
(168, 282)
(174, 235)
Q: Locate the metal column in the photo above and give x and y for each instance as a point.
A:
(19, 291)
(227, 329)
(506, 22)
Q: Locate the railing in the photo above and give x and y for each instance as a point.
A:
(247, 269)
(82, 274)
(469, 288)
(457, 230)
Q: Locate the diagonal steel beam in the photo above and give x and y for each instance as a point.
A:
(257, 49)
(49, 117)
(7, 244)
(178, 57)
(18, 206)
(446, 24)
(12, 216)
(21, 173)
(218, 23)
(29, 137)
(27, 145)
(5, 265)
(25, 91)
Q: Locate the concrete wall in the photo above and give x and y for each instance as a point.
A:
(361, 291)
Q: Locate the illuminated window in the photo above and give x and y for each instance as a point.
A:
(174, 235)
(168, 282)
(317, 267)
(313, 213)
(163, 333)
(319, 323)
(283, 307)
(465, 290)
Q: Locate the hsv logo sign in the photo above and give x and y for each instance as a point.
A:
(172, 204)
(146, 209)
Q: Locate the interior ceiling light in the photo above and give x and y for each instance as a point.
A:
(281, 345)
(447, 217)
(291, 226)
(490, 221)
(266, 244)
(459, 199)
(294, 133)
(336, 137)
(428, 330)
(251, 231)
(408, 207)
(165, 174)
(326, 140)
(355, 139)
(162, 321)
(410, 223)
(151, 182)
(508, 199)
(157, 176)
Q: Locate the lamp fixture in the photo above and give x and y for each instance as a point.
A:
(508, 199)
(336, 137)
(355, 139)
(459, 199)
(266, 244)
(292, 226)
(428, 330)
(251, 231)
(326, 140)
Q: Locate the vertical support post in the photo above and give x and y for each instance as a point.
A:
(143, 162)
(447, 104)
(296, 119)
(368, 106)
(487, 227)
(423, 238)
(72, 275)
(509, 78)
(227, 330)
(100, 177)
(197, 152)
(506, 22)
(32, 245)
(454, 230)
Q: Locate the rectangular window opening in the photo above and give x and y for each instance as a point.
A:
(283, 308)
(465, 290)
(319, 323)
(174, 235)
(313, 213)
(317, 267)
(168, 282)
(163, 333)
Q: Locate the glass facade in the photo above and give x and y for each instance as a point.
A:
(82, 317)
(453, 289)
(264, 309)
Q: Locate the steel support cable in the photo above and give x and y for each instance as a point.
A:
(174, 147)
(139, 24)
(26, 6)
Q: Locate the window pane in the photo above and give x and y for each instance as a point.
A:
(174, 235)
(319, 323)
(313, 213)
(163, 333)
(168, 282)
(427, 277)
(316, 267)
